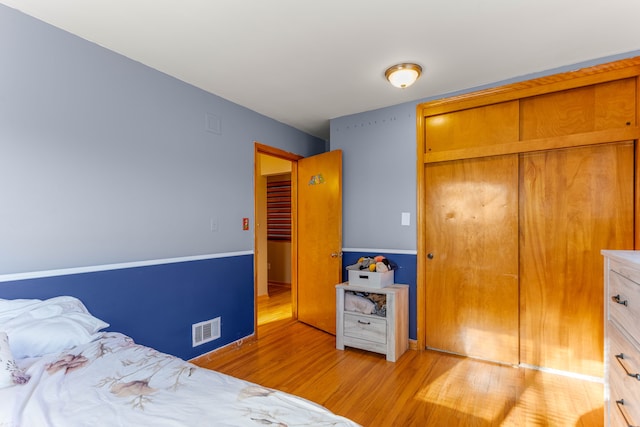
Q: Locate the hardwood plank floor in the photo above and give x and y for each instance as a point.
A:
(276, 305)
(423, 388)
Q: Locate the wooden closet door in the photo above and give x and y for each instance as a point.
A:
(472, 270)
(574, 203)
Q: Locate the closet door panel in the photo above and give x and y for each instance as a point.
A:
(472, 128)
(574, 203)
(603, 106)
(472, 270)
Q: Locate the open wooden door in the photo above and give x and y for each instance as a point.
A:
(319, 237)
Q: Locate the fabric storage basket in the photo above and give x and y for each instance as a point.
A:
(370, 279)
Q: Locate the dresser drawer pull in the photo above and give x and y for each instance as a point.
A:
(364, 323)
(617, 299)
(619, 404)
(620, 357)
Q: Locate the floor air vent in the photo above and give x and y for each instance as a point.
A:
(206, 331)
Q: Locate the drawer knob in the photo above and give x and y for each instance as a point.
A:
(620, 404)
(620, 358)
(617, 299)
(363, 323)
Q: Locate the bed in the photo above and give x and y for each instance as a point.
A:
(59, 367)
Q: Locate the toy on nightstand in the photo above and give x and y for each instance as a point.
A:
(377, 264)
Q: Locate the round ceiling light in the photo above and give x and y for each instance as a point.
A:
(403, 75)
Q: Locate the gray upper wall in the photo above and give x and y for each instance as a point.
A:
(104, 160)
(379, 177)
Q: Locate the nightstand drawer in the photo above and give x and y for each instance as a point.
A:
(624, 368)
(624, 303)
(365, 327)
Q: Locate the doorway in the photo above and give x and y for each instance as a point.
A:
(274, 242)
(316, 232)
(274, 302)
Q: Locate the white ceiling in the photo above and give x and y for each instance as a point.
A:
(303, 63)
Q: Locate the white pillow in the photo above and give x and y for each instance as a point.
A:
(10, 308)
(10, 374)
(38, 327)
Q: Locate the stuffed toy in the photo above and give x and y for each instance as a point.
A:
(378, 264)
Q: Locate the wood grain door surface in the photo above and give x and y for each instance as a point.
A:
(319, 238)
(514, 272)
(575, 202)
(472, 270)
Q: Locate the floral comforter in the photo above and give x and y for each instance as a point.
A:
(114, 382)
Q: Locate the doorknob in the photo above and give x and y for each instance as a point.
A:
(430, 255)
(336, 255)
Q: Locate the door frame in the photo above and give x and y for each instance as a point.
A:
(261, 149)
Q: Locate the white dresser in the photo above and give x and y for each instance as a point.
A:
(388, 334)
(622, 338)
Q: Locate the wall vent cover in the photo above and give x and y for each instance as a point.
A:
(206, 331)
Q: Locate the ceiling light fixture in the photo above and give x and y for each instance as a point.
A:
(403, 75)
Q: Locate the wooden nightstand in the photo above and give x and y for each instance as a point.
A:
(388, 334)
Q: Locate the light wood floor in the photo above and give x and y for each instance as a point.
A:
(275, 306)
(423, 388)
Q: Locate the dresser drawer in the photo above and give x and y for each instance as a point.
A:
(630, 273)
(365, 327)
(624, 361)
(624, 303)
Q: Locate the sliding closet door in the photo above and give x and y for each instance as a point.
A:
(574, 203)
(472, 267)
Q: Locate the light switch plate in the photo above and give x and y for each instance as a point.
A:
(406, 219)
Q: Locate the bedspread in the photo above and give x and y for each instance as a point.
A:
(113, 381)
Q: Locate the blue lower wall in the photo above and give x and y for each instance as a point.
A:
(157, 304)
(405, 274)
